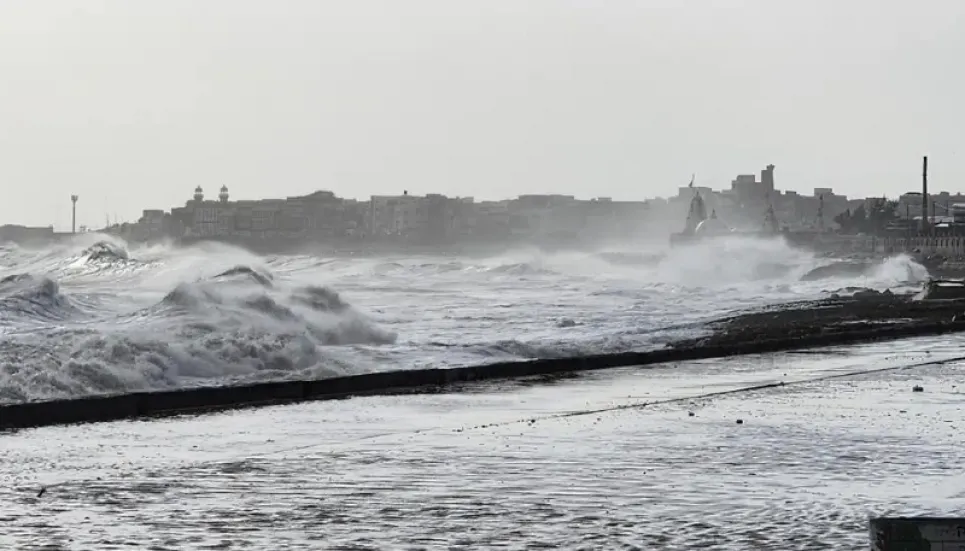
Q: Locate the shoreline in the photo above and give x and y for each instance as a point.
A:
(866, 317)
(794, 326)
(866, 312)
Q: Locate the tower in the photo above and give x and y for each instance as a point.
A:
(198, 194)
(223, 196)
(924, 194)
(767, 179)
(73, 213)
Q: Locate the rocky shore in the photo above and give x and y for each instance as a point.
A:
(867, 312)
(943, 267)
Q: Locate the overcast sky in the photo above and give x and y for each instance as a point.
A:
(131, 104)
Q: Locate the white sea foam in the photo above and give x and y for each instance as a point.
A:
(95, 315)
(622, 459)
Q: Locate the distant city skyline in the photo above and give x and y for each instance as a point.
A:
(131, 105)
(94, 220)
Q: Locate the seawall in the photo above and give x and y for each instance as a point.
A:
(197, 400)
(952, 247)
(948, 246)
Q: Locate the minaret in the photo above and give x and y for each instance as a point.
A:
(223, 196)
(73, 213)
(198, 194)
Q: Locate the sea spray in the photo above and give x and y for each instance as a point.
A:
(137, 317)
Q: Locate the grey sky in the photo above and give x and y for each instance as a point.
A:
(132, 103)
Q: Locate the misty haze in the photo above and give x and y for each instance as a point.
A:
(480, 275)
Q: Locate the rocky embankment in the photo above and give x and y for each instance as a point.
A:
(941, 266)
(867, 312)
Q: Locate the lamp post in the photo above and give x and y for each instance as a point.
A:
(73, 214)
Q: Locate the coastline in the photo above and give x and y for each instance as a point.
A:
(866, 317)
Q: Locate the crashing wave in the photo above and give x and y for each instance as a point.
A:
(319, 311)
(188, 295)
(30, 296)
(262, 278)
(242, 322)
(320, 298)
(106, 251)
(838, 269)
(899, 269)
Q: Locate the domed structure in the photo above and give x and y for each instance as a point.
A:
(223, 196)
(712, 226)
(198, 194)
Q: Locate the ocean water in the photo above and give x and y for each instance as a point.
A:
(97, 315)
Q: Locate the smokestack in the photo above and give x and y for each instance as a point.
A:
(73, 214)
(924, 194)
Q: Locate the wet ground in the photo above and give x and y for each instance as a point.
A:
(866, 311)
(624, 459)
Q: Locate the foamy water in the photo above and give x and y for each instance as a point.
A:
(96, 315)
(619, 459)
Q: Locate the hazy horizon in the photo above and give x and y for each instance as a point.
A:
(131, 105)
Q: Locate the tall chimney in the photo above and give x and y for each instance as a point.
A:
(73, 214)
(924, 194)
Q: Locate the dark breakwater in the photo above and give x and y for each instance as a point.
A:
(866, 312)
(197, 400)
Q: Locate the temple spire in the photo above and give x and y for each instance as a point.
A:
(697, 214)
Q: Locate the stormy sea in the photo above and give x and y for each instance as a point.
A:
(683, 456)
(97, 315)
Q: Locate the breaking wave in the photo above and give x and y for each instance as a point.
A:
(317, 312)
(95, 315)
(25, 297)
(106, 251)
(899, 270)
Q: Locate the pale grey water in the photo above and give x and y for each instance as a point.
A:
(581, 464)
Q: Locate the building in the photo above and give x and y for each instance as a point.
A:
(22, 234)
(431, 218)
(749, 191)
(153, 224)
(395, 215)
(318, 215)
(435, 218)
(490, 220)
